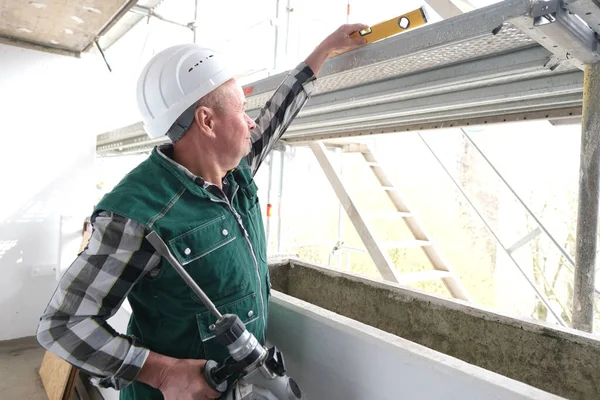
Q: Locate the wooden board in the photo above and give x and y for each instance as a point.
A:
(58, 377)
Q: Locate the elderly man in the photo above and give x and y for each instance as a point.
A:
(199, 196)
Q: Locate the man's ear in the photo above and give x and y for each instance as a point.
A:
(204, 118)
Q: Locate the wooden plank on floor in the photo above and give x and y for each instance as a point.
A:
(58, 377)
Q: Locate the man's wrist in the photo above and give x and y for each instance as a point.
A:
(316, 59)
(155, 369)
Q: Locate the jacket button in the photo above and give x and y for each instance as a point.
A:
(187, 251)
(225, 232)
(250, 314)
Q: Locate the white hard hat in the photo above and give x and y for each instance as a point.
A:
(174, 80)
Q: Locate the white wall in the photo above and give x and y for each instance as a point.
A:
(333, 357)
(336, 358)
(46, 180)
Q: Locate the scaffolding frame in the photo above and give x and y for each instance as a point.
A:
(511, 61)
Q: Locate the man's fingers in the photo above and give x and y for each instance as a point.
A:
(357, 41)
(354, 42)
(350, 28)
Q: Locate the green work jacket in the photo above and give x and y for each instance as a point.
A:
(220, 243)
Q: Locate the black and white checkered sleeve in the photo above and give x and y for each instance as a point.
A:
(279, 112)
(74, 325)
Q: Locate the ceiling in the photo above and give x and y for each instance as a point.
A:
(62, 26)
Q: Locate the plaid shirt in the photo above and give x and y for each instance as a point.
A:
(94, 287)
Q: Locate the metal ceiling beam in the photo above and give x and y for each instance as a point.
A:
(558, 91)
(451, 103)
(431, 124)
(111, 23)
(520, 65)
(474, 68)
(587, 10)
(125, 24)
(511, 85)
(149, 12)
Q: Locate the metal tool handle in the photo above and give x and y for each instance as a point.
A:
(278, 384)
(208, 375)
(164, 251)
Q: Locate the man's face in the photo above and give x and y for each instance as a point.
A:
(232, 124)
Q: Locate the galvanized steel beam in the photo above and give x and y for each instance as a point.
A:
(587, 215)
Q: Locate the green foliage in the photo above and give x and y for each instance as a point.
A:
(489, 275)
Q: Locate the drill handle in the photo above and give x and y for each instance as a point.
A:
(216, 382)
(217, 374)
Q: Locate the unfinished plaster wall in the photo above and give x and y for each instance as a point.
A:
(336, 358)
(560, 361)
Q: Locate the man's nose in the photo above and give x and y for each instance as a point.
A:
(251, 123)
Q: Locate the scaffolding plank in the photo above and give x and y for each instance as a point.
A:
(474, 68)
(467, 36)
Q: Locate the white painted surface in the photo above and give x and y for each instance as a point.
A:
(46, 164)
(336, 358)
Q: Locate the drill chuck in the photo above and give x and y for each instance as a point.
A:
(229, 329)
(242, 345)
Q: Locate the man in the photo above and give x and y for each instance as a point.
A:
(198, 195)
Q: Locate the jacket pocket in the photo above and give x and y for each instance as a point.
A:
(211, 254)
(202, 240)
(245, 308)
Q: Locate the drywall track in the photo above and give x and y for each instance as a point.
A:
(561, 361)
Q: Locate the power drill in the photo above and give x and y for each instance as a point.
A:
(261, 372)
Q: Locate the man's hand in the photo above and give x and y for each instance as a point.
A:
(185, 381)
(338, 41)
(177, 379)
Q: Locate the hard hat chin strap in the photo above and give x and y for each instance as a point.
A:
(182, 124)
